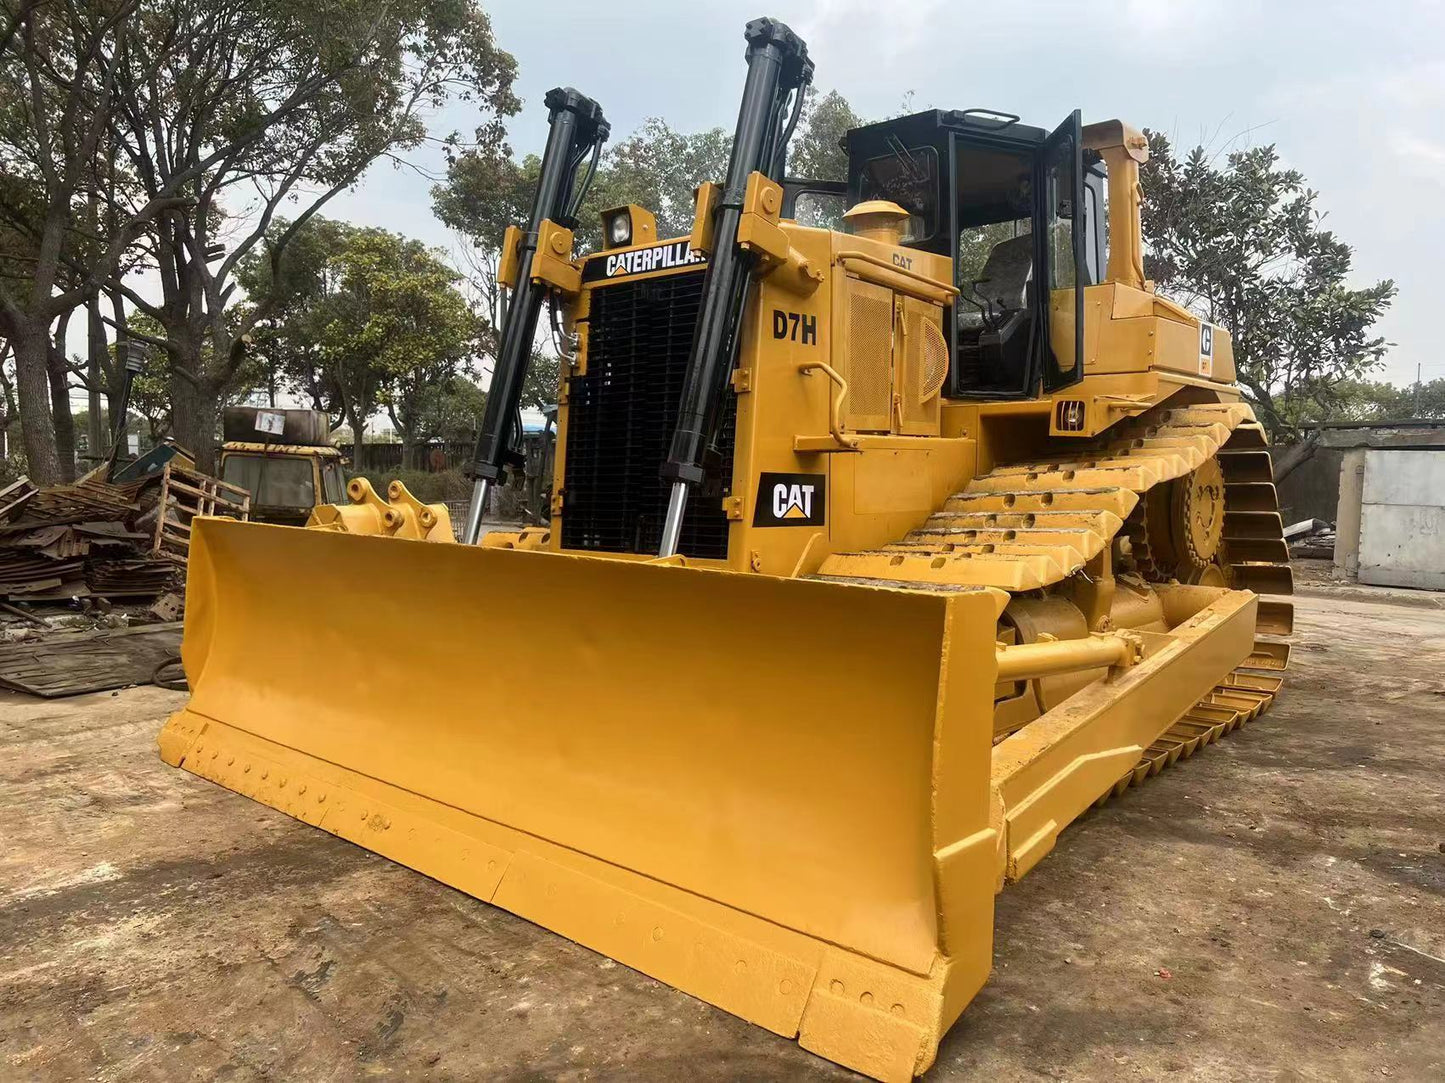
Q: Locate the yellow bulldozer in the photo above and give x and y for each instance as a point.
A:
(877, 555)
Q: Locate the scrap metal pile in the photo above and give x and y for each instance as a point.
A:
(125, 542)
(92, 574)
(78, 541)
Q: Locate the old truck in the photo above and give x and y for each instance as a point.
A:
(284, 458)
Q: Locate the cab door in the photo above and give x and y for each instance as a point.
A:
(1060, 255)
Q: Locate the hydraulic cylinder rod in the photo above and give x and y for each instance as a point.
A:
(578, 130)
(778, 66)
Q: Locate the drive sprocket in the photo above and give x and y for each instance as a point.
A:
(1177, 530)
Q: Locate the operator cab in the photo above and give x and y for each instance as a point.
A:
(1020, 213)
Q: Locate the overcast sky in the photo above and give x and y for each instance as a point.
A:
(1352, 94)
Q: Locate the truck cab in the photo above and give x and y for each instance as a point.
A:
(285, 459)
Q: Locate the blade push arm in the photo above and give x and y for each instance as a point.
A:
(578, 131)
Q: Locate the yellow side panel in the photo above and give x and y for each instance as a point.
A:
(886, 482)
(920, 366)
(889, 488)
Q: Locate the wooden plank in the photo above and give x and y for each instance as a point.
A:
(161, 505)
(15, 496)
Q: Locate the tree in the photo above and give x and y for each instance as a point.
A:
(62, 74)
(817, 149)
(656, 167)
(451, 410)
(1243, 245)
(1370, 400)
(817, 154)
(57, 77)
(285, 339)
(539, 389)
(151, 392)
(333, 85)
(1420, 400)
(429, 333)
(394, 327)
(371, 321)
(486, 191)
(9, 412)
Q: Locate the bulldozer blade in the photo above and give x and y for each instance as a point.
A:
(772, 794)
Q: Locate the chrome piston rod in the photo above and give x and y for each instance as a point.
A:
(481, 490)
(672, 525)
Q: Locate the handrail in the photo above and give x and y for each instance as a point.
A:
(922, 279)
(835, 405)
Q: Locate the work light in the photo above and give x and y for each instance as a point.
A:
(619, 229)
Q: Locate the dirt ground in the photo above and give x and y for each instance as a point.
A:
(1273, 908)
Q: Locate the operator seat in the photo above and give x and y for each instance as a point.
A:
(993, 339)
(1002, 286)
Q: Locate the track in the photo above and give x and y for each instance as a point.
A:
(1030, 525)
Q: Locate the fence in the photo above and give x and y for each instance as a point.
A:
(450, 455)
(433, 458)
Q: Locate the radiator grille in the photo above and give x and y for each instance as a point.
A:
(620, 418)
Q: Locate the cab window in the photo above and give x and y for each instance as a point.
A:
(908, 177)
(821, 210)
(975, 245)
(274, 481)
(1096, 217)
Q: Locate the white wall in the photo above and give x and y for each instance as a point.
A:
(1402, 519)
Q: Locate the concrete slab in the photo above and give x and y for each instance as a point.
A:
(1273, 908)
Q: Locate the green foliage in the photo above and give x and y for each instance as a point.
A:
(427, 487)
(284, 341)
(816, 151)
(1243, 244)
(1369, 400)
(394, 308)
(541, 385)
(150, 393)
(451, 410)
(486, 191)
(13, 467)
(136, 424)
(656, 167)
(159, 131)
(371, 320)
(13, 464)
(153, 394)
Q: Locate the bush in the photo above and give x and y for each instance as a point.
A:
(426, 487)
(13, 466)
